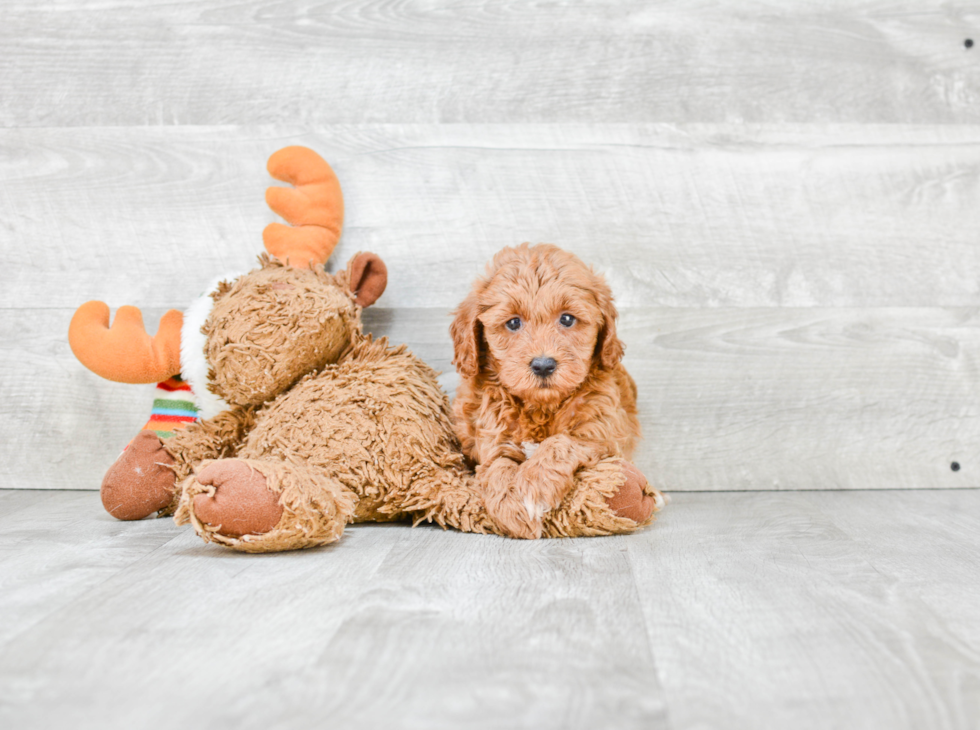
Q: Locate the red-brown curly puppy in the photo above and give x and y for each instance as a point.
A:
(542, 391)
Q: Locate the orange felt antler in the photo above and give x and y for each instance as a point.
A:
(125, 353)
(314, 208)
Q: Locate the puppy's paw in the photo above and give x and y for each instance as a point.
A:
(521, 518)
(636, 499)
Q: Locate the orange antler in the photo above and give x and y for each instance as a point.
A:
(314, 208)
(125, 353)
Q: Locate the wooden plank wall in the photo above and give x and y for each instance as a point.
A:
(784, 197)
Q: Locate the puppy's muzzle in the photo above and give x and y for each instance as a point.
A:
(543, 366)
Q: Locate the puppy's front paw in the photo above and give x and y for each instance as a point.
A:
(521, 518)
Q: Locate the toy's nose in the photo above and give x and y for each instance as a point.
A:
(543, 366)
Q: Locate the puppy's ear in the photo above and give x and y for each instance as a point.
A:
(367, 277)
(467, 334)
(608, 347)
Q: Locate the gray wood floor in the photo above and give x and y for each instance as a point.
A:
(739, 610)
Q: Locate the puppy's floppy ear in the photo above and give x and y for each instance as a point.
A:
(467, 334)
(608, 347)
(367, 277)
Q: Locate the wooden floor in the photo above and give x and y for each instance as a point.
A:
(737, 610)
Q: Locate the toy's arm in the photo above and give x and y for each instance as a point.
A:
(213, 438)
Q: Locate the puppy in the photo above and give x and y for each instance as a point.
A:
(542, 391)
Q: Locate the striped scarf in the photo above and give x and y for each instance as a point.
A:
(173, 407)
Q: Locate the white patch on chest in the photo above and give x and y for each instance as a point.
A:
(529, 447)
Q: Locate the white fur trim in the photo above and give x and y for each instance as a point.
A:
(529, 447)
(194, 365)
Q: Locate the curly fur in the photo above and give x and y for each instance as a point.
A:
(532, 437)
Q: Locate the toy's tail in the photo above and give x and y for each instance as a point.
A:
(314, 208)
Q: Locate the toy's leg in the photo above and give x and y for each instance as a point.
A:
(141, 481)
(450, 497)
(240, 502)
(174, 408)
(610, 498)
(263, 505)
(636, 499)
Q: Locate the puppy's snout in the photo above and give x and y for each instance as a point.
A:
(543, 366)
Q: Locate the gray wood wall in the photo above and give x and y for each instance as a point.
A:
(783, 195)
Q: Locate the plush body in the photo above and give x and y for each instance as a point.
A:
(365, 437)
(307, 424)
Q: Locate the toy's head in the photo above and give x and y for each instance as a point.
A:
(250, 337)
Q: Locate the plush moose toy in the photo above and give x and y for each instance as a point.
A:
(303, 423)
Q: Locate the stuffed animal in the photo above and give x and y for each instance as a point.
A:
(300, 423)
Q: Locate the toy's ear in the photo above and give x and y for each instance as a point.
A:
(467, 334)
(367, 277)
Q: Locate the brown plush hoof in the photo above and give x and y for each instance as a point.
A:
(630, 501)
(242, 503)
(140, 482)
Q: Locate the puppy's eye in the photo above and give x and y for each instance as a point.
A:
(513, 324)
(566, 320)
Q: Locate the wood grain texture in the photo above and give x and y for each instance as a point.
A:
(120, 63)
(730, 399)
(752, 610)
(815, 610)
(692, 216)
(807, 398)
(390, 627)
(784, 199)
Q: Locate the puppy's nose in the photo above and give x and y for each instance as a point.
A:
(543, 366)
